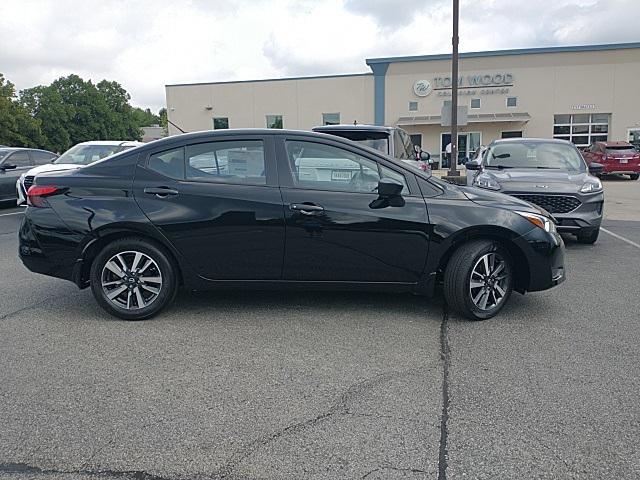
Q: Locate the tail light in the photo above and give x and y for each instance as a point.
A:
(36, 195)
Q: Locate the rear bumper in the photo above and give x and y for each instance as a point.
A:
(46, 246)
(621, 168)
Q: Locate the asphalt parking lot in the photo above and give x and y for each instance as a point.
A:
(292, 385)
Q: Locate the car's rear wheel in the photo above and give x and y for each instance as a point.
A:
(588, 237)
(478, 279)
(634, 176)
(133, 279)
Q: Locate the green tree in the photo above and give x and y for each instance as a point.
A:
(45, 104)
(17, 127)
(145, 118)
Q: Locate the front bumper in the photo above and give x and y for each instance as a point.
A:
(544, 252)
(588, 216)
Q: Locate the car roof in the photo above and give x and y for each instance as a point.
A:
(615, 144)
(123, 143)
(501, 141)
(358, 127)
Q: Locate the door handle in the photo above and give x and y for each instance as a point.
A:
(161, 192)
(306, 209)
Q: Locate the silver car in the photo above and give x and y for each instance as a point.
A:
(548, 173)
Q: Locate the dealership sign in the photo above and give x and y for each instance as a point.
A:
(481, 80)
(422, 88)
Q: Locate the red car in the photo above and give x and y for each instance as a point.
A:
(615, 157)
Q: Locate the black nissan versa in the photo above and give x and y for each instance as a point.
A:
(280, 209)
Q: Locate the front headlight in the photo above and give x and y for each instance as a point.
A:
(591, 186)
(539, 221)
(486, 181)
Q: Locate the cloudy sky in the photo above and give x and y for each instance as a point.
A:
(145, 44)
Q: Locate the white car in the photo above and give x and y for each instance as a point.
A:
(77, 156)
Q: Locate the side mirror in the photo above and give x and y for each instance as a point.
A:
(388, 187)
(7, 166)
(425, 156)
(596, 168)
(473, 166)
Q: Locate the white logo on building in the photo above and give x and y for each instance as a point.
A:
(422, 88)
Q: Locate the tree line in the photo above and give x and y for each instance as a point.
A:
(68, 111)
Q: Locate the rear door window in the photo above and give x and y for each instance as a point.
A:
(237, 161)
(169, 163)
(42, 158)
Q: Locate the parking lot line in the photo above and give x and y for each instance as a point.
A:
(12, 213)
(620, 237)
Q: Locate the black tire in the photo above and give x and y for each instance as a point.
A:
(634, 176)
(458, 291)
(589, 237)
(158, 293)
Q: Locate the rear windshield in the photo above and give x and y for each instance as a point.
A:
(86, 154)
(621, 149)
(534, 155)
(376, 140)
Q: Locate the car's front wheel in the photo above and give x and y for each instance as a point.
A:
(478, 279)
(133, 279)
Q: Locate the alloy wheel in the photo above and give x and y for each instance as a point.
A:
(131, 280)
(489, 281)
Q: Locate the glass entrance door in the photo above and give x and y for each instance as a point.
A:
(468, 142)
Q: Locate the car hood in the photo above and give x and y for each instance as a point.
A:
(53, 167)
(538, 180)
(500, 200)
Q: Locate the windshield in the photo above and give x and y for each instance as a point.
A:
(534, 155)
(376, 140)
(86, 154)
(4, 153)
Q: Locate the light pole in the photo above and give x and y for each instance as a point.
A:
(454, 93)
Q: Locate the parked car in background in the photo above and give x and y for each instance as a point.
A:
(549, 173)
(81, 154)
(392, 141)
(286, 213)
(615, 157)
(14, 162)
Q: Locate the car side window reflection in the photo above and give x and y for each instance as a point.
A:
(169, 163)
(240, 161)
(325, 167)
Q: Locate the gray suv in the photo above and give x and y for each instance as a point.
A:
(548, 173)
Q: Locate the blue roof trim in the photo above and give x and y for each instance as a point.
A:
(497, 53)
(342, 75)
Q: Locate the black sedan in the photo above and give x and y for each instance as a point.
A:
(14, 162)
(280, 209)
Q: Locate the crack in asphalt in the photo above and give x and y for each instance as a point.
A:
(339, 408)
(31, 307)
(395, 469)
(26, 469)
(443, 456)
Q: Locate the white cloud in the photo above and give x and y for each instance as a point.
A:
(145, 44)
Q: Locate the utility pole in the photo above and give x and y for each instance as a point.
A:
(453, 172)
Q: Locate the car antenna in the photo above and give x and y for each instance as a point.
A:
(181, 130)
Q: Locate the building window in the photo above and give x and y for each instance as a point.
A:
(274, 121)
(416, 139)
(330, 119)
(475, 103)
(512, 134)
(582, 128)
(512, 101)
(413, 106)
(220, 123)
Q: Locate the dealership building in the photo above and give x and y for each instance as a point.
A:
(582, 94)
